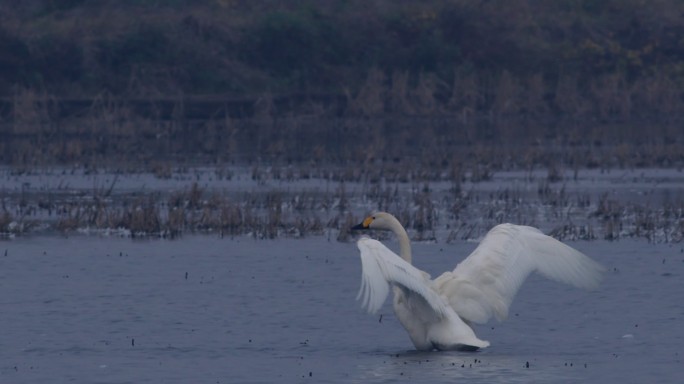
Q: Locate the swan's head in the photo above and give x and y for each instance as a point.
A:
(385, 221)
(378, 220)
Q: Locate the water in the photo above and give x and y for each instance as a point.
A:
(201, 309)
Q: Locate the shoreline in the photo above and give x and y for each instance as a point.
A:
(237, 201)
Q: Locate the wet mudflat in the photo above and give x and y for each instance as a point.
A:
(205, 309)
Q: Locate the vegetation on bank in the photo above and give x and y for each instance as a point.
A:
(458, 214)
(572, 57)
(365, 91)
(398, 90)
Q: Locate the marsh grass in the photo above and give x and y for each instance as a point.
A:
(461, 213)
(6, 221)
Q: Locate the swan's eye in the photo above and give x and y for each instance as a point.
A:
(373, 217)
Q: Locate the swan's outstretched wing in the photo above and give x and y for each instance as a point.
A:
(382, 267)
(484, 284)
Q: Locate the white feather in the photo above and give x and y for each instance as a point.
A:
(485, 283)
(382, 267)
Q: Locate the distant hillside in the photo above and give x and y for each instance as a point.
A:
(431, 88)
(608, 58)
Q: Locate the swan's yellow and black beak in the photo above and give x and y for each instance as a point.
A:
(364, 225)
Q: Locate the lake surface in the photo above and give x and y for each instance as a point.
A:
(203, 309)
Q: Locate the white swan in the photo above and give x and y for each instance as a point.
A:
(437, 313)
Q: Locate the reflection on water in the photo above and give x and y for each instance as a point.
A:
(479, 367)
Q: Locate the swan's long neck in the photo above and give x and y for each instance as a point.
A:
(404, 242)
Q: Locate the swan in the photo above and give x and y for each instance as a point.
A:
(438, 314)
